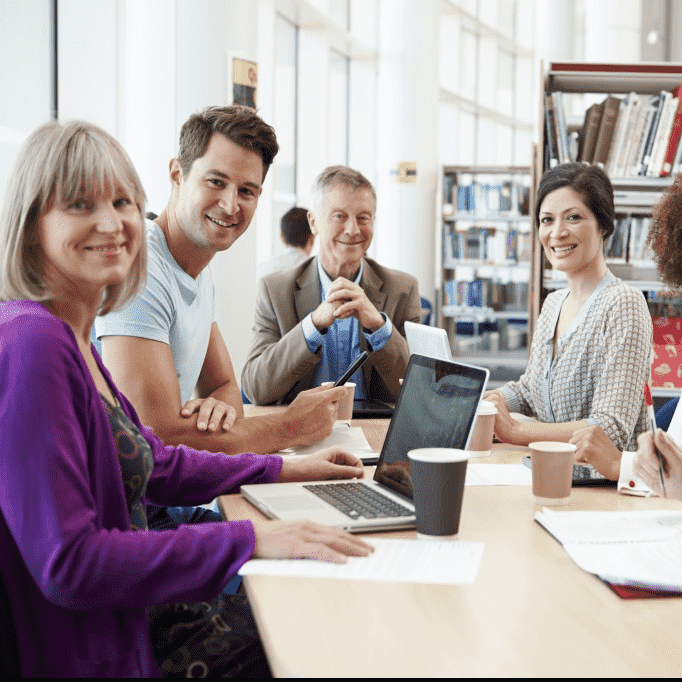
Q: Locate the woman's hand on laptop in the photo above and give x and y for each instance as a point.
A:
(306, 540)
(325, 465)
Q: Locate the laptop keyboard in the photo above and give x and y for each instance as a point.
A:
(359, 501)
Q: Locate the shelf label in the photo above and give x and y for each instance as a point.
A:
(405, 172)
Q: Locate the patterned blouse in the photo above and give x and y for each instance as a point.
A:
(600, 366)
(136, 460)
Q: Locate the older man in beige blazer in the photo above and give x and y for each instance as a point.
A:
(312, 320)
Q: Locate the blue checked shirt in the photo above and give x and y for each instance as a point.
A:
(341, 343)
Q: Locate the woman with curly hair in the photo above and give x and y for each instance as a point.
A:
(665, 240)
(590, 352)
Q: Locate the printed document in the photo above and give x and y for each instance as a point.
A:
(642, 548)
(413, 561)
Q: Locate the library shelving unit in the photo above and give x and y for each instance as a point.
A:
(635, 197)
(485, 263)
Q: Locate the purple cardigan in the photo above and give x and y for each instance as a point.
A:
(78, 579)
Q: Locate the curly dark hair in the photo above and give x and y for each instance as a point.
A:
(665, 235)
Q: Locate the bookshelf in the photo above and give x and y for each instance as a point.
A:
(485, 263)
(640, 140)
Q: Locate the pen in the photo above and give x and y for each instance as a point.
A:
(652, 419)
(355, 366)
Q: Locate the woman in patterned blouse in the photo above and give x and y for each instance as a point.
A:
(590, 353)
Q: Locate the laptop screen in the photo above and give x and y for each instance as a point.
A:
(436, 408)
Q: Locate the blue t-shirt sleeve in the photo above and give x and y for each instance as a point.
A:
(150, 315)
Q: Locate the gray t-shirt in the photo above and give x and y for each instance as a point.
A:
(174, 308)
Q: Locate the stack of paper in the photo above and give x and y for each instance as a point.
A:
(642, 548)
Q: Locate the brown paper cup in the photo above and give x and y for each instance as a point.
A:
(552, 472)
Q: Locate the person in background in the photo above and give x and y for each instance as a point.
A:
(591, 349)
(93, 592)
(297, 238)
(313, 320)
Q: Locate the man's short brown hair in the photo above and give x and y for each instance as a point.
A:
(237, 123)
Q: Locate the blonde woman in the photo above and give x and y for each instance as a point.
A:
(92, 591)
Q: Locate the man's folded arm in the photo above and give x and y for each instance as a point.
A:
(145, 373)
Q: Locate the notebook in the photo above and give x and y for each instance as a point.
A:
(430, 341)
(436, 407)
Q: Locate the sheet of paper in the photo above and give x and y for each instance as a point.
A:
(414, 561)
(641, 548)
(649, 564)
(498, 474)
(351, 438)
(595, 527)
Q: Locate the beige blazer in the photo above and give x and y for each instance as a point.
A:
(280, 365)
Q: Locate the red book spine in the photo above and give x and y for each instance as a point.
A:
(674, 135)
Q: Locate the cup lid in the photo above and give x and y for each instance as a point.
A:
(438, 455)
(486, 407)
(552, 446)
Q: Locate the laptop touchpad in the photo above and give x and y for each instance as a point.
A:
(293, 503)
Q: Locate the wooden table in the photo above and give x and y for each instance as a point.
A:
(531, 611)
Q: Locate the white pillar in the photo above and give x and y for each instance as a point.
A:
(408, 132)
(612, 31)
(555, 30)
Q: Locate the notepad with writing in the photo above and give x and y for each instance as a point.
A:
(639, 553)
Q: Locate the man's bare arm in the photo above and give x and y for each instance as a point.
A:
(217, 378)
(145, 372)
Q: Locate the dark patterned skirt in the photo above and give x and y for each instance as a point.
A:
(207, 639)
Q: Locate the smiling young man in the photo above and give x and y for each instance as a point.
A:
(314, 319)
(167, 342)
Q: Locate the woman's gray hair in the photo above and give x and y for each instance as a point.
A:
(338, 175)
(57, 164)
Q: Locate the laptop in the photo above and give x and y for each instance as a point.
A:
(370, 408)
(436, 407)
(430, 341)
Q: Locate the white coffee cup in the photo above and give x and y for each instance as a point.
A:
(481, 441)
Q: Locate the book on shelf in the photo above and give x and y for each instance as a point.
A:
(607, 125)
(551, 156)
(657, 115)
(674, 134)
(639, 253)
(633, 136)
(588, 134)
(616, 246)
(661, 143)
(627, 106)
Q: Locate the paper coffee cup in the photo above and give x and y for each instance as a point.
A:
(481, 441)
(437, 489)
(346, 405)
(552, 464)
